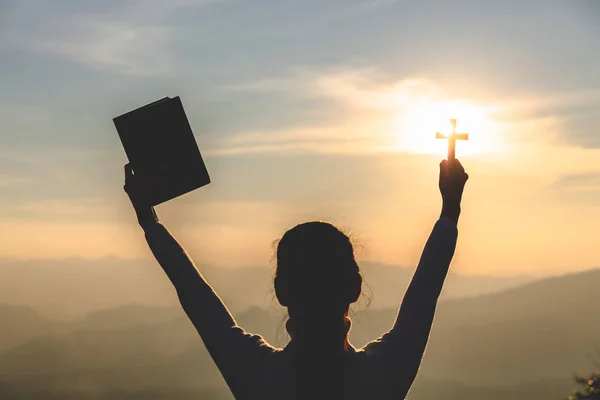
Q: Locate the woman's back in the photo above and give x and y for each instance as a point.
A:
(273, 375)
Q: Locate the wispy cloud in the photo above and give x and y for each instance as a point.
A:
(369, 105)
(354, 136)
(576, 189)
(360, 87)
(367, 102)
(132, 39)
(62, 208)
(110, 45)
(7, 181)
(578, 182)
(545, 104)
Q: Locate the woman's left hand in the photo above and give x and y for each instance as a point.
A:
(137, 191)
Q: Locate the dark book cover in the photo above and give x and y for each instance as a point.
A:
(162, 150)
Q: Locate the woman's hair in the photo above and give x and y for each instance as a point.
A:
(317, 278)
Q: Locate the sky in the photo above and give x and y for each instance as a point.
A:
(308, 110)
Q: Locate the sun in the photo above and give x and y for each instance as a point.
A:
(417, 125)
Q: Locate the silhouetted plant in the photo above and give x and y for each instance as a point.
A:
(589, 388)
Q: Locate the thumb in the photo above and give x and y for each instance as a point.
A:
(128, 173)
(444, 165)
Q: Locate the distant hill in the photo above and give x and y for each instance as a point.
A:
(72, 288)
(545, 329)
(19, 324)
(521, 343)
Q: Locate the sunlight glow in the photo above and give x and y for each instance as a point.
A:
(416, 127)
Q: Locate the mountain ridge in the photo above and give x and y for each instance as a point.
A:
(88, 285)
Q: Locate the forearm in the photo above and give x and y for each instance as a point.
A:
(428, 279)
(173, 258)
(198, 299)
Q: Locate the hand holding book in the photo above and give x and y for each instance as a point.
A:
(162, 150)
(137, 190)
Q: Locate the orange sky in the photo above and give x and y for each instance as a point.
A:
(335, 122)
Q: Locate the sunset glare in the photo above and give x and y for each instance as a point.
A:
(419, 124)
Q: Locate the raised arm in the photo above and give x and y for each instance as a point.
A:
(399, 352)
(230, 347)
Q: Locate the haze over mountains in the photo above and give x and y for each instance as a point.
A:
(72, 288)
(519, 343)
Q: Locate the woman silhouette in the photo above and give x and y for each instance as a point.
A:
(317, 278)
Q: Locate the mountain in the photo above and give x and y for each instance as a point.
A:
(71, 288)
(546, 329)
(520, 343)
(19, 324)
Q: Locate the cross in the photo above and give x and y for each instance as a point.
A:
(452, 138)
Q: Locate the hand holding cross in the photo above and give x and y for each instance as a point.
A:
(452, 138)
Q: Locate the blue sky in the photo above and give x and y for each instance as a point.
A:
(289, 102)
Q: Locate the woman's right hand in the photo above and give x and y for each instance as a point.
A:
(137, 192)
(452, 183)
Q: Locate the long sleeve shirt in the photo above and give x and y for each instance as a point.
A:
(253, 369)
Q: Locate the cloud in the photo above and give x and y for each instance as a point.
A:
(367, 106)
(543, 104)
(345, 138)
(110, 45)
(364, 106)
(568, 118)
(578, 182)
(7, 181)
(360, 87)
(63, 208)
(577, 189)
(129, 38)
(15, 171)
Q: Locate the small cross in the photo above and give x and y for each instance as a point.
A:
(452, 138)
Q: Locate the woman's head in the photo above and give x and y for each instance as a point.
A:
(316, 272)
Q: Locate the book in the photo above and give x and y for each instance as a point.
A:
(162, 150)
